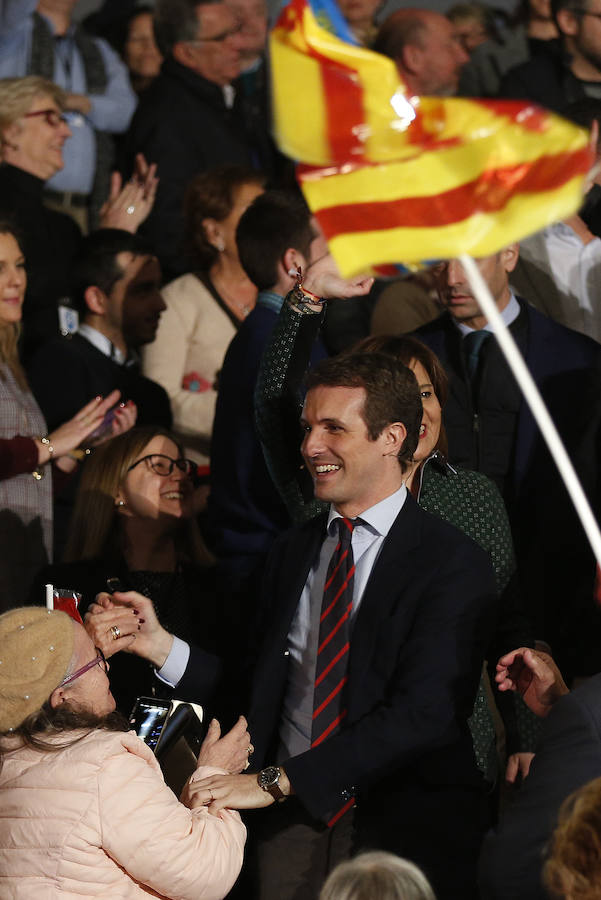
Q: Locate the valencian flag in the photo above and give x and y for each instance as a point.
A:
(392, 178)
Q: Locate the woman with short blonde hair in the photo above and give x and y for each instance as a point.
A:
(17, 95)
(377, 876)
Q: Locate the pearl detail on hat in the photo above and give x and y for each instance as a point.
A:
(21, 627)
(25, 696)
(33, 658)
(51, 647)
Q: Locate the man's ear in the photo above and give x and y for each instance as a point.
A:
(510, 256)
(95, 300)
(568, 22)
(394, 438)
(181, 53)
(412, 59)
(292, 259)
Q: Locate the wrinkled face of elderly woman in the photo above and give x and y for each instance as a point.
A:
(35, 142)
(86, 687)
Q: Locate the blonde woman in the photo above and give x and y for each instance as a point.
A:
(377, 876)
(26, 449)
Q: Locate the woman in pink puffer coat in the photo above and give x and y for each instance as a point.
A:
(84, 810)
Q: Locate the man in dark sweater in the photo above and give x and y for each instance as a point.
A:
(275, 235)
(191, 119)
(556, 79)
(490, 428)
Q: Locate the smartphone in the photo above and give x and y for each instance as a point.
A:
(148, 718)
(196, 730)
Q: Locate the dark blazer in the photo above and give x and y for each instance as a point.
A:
(568, 756)
(68, 372)
(552, 551)
(417, 646)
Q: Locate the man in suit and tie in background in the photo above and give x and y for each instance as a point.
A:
(490, 428)
(370, 640)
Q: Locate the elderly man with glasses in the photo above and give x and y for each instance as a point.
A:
(192, 118)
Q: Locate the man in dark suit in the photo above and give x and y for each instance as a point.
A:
(191, 118)
(116, 288)
(391, 628)
(491, 429)
(568, 756)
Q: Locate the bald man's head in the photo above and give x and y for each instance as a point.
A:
(427, 52)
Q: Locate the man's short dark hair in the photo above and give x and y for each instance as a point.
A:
(392, 393)
(97, 265)
(175, 21)
(575, 6)
(272, 223)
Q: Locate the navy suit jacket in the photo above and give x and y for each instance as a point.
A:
(417, 646)
(568, 756)
(553, 555)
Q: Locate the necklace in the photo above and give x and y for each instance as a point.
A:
(240, 307)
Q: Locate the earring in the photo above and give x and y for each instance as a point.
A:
(220, 245)
(120, 503)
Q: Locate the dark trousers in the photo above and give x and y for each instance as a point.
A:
(289, 854)
(440, 828)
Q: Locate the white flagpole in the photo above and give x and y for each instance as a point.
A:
(535, 402)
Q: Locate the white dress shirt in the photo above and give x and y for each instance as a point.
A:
(367, 540)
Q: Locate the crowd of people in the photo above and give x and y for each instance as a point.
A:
(320, 508)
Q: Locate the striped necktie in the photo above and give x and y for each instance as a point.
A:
(329, 697)
(334, 635)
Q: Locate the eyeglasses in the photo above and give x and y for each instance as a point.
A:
(219, 38)
(163, 465)
(52, 116)
(99, 661)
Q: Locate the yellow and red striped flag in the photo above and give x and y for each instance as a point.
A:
(397, 179)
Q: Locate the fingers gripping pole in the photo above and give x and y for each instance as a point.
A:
(535, 402)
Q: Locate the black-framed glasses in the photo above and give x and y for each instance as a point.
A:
(99, 661)
(163, 464)
(53, 117)
(219, 38)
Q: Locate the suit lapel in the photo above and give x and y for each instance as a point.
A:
(381, 590)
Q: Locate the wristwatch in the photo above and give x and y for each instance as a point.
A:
(268, 780)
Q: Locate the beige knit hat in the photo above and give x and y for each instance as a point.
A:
(36, 646)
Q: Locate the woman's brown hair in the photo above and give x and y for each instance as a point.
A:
(95, 528)
(407, 349)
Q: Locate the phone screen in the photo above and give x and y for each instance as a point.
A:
(148, 717)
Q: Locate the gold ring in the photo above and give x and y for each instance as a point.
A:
(114, 630)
